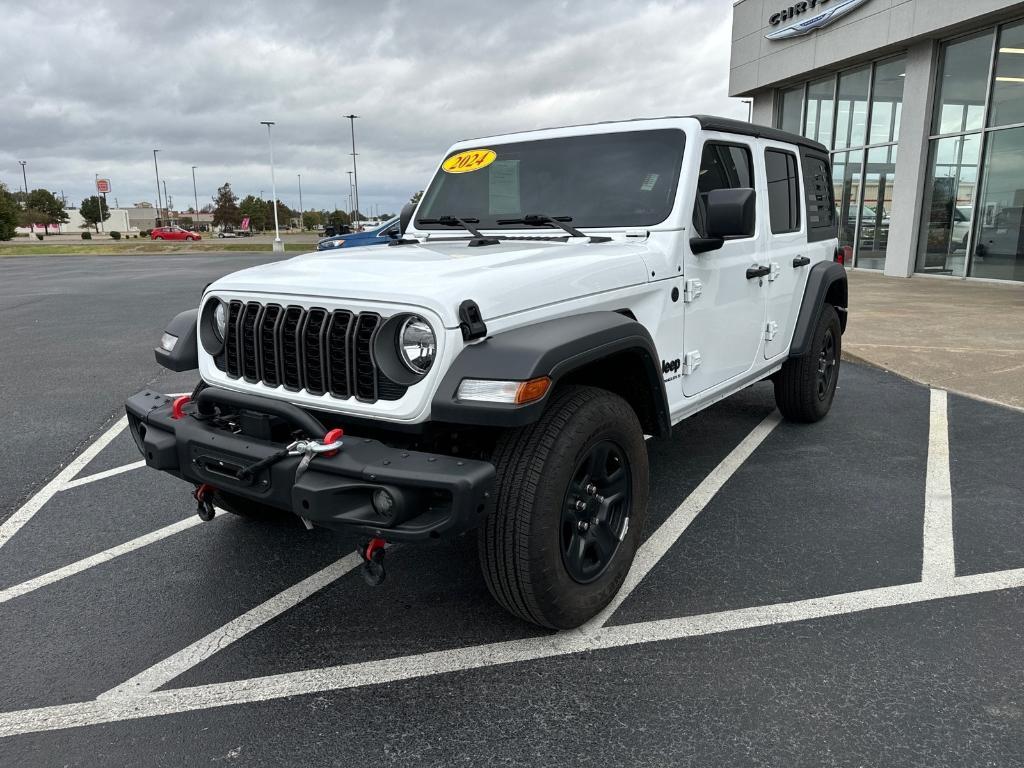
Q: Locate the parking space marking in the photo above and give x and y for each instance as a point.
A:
(99, 558)
(102, 475)
(360, 674)
(163, 672)
(27, 510)
(938, 563)
(659, 543)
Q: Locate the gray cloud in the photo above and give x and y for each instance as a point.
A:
(93, 88)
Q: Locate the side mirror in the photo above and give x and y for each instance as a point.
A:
(729, 213)
(405, 217)
(393, 233)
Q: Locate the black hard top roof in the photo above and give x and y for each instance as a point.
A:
(707, 122)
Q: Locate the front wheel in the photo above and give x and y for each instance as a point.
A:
(806, 386)
(569, 511)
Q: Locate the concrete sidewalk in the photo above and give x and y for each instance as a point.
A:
(963, 336)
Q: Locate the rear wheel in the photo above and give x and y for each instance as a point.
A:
(806, 386)
(570, 508)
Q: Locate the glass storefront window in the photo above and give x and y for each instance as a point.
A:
(887, 101)
(950, 193)
(852, 108)
(791, 104)
(820, 108)
(1008, 89)
(873, 233)
(846, 181)
(960, 105)
(999, 249)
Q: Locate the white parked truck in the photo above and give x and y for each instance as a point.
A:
(556, 296)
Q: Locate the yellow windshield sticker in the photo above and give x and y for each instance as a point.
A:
(470, 160)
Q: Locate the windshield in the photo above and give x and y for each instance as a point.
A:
(604, 180)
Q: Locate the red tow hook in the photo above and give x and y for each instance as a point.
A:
(203, 494)
(178, 408)
(332, 437)
(373, 561)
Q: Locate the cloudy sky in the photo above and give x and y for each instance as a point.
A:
(93, 87)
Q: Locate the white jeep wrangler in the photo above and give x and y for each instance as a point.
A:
(556, 296)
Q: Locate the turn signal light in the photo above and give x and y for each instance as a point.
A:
(511, 392)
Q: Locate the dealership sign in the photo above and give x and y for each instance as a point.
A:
(809, 15)
(103, 186)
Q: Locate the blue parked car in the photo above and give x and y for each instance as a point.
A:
(376, 236)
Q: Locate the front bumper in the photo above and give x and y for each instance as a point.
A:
(433, 494)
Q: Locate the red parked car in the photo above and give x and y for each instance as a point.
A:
(173, 233)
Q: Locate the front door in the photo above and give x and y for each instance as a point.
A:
(724, 323)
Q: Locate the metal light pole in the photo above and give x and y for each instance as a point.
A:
(156, 168)
(355, 173)
(278, 245)
(195, 221)
(351, 197)
(301, 227)
(167, 200)
(24, 178)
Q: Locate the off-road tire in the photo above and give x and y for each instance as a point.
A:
(800, 393)
(520, 541)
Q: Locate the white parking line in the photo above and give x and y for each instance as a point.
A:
(103, 475)
(659, 543)
(202, 649)
(939, 562)
(101, 557)
(14, 523)
(460, 659)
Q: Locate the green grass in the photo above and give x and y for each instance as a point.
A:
(141, 248)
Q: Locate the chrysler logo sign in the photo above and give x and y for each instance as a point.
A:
(809, 15)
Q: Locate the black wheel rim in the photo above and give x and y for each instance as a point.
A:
(595, 512)
(826, 364)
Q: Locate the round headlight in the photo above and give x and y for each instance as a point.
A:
(220, 320)
(417, 344)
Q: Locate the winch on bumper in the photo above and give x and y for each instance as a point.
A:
(430, 494)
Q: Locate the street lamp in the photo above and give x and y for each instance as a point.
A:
(355, 173)
(24, 178)
(156, 169)
(301, 227)
(351, 197)
(167, 200)
(278, 245)
(195, 193)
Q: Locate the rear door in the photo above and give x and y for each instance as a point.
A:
(786, 251)
(723, 324)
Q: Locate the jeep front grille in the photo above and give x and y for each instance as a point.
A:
(306, 349)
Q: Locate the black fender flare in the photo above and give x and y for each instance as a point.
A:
(554, 348)
(826, 279)
(185, 355)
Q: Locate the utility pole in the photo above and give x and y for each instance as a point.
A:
(167, 201)
(301, 227)
(24, 178)
(355, 173)
(278, 245)
(195, 221)
(156, 169)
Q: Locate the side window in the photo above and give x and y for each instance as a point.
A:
(783, 191)
(821, 209)
(722, 166)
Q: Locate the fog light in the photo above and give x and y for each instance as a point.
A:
(167, 341)
(383, 502)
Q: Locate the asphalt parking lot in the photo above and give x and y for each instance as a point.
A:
(847, 593)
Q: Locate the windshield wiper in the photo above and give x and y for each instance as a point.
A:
(541, 220)
(466, 224)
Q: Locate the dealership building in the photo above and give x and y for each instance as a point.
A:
(921, 104)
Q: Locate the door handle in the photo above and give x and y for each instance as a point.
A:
(758, 271)
(801, 261)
